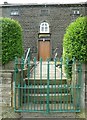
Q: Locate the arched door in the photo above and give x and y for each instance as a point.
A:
(44, 41)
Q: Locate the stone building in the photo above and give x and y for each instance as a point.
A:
(44, 25)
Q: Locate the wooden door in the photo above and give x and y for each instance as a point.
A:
(43, 50)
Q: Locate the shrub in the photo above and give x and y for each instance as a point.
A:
(11, 39)
(75, 40)
(75, 43)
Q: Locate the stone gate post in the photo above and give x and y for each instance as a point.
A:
(75, 79)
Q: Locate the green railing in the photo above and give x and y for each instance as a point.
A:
(45, 87)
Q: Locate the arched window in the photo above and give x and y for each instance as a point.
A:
(44, 27)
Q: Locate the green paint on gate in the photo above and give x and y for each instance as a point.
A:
(48, 83)
(39, 89)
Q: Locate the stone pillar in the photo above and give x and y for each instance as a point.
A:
(6, 90)
(83, 91)
(74, 83)
(84, 78)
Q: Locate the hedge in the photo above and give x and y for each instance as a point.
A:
(11, 39)
(75, 41)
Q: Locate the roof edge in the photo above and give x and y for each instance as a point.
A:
(43, 4)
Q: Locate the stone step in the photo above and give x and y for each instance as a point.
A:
(52, 106)
(52, 97)
(43, 88)
(63, 86)
(44, 81)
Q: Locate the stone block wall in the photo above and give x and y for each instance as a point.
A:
(57, 15)
(6, 97)
(6, 89)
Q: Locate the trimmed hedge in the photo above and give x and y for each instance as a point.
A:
(75, 40)
(11, 39)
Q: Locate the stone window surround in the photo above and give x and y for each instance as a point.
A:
(14, 12)
(75, 12)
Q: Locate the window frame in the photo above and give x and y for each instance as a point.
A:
(14, 12)
(44, 27)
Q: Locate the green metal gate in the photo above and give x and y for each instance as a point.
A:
(45, 87)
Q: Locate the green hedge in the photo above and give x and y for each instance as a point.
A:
(75, 40)
(11, 39)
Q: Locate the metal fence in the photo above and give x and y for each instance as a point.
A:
(47, 86)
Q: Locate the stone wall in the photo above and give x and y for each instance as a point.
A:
(6, 89)
(7, 96)
(82, 77)
(83, 88)
(30, 17)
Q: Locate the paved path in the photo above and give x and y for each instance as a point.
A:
(44, 72)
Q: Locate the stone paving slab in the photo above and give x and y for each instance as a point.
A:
(49, 115)
(8, 112)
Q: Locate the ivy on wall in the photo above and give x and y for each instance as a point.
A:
(11, 36)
